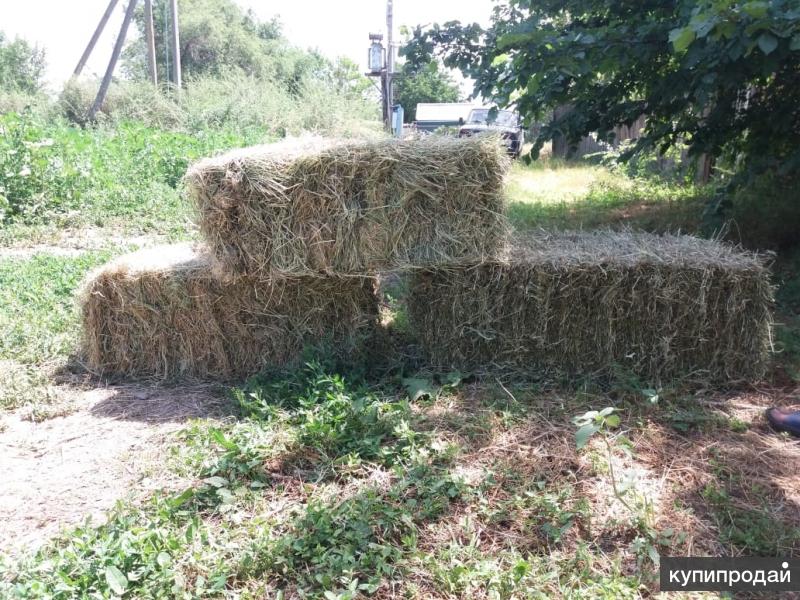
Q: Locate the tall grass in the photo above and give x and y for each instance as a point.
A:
(236, 103)
(55, 172)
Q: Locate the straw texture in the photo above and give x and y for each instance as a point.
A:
(323, 207)
(164, 313)
(577, 302)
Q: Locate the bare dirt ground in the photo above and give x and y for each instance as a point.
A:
(114, 445)
(73, 242)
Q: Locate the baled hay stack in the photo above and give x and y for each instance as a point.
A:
(351, 207)
(570, 303)
(164, 313)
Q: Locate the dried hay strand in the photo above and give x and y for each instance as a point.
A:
(659, 307)
(164, 312)
(351, 207)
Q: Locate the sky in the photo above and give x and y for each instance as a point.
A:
(336, 28)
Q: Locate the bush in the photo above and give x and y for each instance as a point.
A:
(38, 172)
(18, 102)
(125, 101)
(238, 104)
(766, 213)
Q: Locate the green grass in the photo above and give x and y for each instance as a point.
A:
(126, 175)
(563, 195)
(325, 487)
(38, 315)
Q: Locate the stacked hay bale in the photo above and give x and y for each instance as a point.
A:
(163, 312)
(294, 238)
(352, 208)
(657, 306)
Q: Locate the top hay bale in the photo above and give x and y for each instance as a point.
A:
(351, 207)
(659, 307)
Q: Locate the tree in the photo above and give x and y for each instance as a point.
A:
(345, 77)
(425, 82)
(21, 66)
(721, 75)
(218, 37)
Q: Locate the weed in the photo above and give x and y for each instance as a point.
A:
(751, 529)
(24, 385)
(330, 416)
(155, 551)
(360, 538)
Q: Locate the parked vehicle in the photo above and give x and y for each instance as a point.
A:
(506, 122)
(434, 115)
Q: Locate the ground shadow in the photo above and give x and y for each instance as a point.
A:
(153, 403)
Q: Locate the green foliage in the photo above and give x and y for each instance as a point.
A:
(142, 551)
(593, 421)
(167, 547)
(426, 82)
(219, 39)
(765, 213)
(19, 102)
(21, 66)
(326, 548)
(244, 109)
(467, 569)
(24, 385)
(37, 312)
(721, 75)
(125, 101)
(330, 416)
(52, 171)
(36, 172)
(251, 107)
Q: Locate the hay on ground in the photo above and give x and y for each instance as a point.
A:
(164, 313)
(351, 207)
(656, 306)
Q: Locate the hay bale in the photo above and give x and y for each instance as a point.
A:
(164, 313)
(579, 303)
(351, 207)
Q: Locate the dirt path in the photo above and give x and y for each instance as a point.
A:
(74, 242)
(57, 473)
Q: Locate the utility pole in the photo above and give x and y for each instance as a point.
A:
(95, 36)
(381, 64)
(150, 40)
(101, 95)
(176, 45)
(389, 62)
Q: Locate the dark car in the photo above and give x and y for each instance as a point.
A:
(505, 122)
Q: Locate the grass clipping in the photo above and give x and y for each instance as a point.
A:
(352, 207)
(164, 313)
(659, 307)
